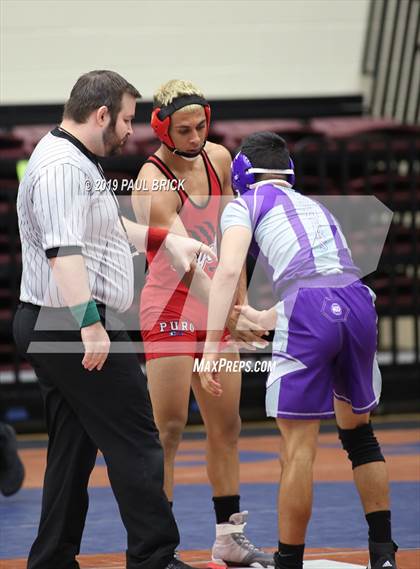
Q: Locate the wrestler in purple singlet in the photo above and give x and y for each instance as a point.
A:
(325, 340)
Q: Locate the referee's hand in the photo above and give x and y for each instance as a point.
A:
(97, 344)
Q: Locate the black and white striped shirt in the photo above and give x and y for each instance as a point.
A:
(63, 204)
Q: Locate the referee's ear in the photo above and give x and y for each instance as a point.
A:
(102, 115)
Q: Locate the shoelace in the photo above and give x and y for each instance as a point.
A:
(244, 541)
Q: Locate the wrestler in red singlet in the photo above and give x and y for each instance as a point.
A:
(174, 313)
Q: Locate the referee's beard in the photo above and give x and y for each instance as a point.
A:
(112, 143)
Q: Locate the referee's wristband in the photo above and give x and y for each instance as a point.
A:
(85, 314)
(155, 238)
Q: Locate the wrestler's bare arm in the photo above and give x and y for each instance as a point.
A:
(160, 209)
(222, 159)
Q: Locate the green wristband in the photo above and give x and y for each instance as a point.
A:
(85, 314)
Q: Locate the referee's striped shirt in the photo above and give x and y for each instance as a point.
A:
(64, 208)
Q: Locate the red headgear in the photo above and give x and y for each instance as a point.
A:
(161, 116)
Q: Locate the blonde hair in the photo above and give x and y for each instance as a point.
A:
(173, 89)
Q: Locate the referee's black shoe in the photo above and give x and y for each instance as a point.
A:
(12, 472)
(382, 555)
(177, 564)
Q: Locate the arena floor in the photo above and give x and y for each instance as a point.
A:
(337, 533)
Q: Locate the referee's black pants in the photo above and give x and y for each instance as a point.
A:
(109, 410)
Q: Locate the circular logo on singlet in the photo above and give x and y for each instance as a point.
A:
(336, 309)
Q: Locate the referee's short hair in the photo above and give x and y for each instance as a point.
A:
(95, 89)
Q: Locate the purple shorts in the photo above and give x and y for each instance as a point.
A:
(324, 347)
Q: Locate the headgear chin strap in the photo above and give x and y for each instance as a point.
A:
(243, 173)
(161, 121)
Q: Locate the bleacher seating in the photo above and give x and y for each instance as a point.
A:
(333, 156)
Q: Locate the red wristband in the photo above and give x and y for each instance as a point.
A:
(155, 237)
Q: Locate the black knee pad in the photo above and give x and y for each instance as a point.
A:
(361, 445)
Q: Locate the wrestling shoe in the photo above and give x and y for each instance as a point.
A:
(233, 548)
(383, 554)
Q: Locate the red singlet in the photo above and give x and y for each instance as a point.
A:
(172, 320)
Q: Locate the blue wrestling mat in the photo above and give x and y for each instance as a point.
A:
(337, 519)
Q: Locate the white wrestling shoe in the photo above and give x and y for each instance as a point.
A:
(233, 548)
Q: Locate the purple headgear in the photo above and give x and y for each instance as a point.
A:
(243, 173)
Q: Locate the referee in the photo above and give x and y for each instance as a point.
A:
(77, 277)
